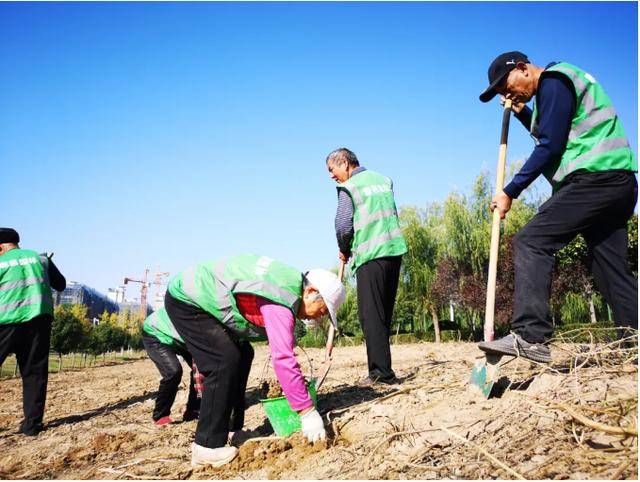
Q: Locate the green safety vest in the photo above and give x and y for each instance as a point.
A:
(24, 286)
(212, 286)
(596, 141)
(376, 226)
(159, 326)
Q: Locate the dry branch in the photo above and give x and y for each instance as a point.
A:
(596, 425)
(486, 454)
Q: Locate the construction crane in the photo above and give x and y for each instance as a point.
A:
(159, 283)
(143, 292)
(144, 289)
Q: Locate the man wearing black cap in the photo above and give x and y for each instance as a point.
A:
(26, 313)
(582, 150)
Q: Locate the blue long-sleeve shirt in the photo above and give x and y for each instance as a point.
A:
(344, 218)
(556, 107)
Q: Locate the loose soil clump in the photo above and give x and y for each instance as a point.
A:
(270, 388)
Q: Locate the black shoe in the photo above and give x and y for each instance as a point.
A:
(389, 381)
(190, 415)
(31, 431)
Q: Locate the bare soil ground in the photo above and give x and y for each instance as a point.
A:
(574, 419)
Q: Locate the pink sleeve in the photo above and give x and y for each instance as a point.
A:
(279, 324)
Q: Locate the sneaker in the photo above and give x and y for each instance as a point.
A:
(514, 345)
(370, 382)
(190, 415)
(217, 457)
(166, 420)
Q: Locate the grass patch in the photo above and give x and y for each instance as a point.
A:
(73, 361)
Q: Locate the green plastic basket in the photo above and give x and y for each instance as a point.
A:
(282, 418)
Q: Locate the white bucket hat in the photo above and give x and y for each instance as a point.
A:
(330, 288)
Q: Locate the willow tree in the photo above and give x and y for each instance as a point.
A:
(422, 230)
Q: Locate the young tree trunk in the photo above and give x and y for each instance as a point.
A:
(592, 310)
(59, 362)
(436, 324)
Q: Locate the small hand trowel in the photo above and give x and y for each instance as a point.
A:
(326, 365)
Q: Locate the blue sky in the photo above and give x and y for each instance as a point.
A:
(138, 135)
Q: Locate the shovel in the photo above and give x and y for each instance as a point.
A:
(485, 372)
(326, 365)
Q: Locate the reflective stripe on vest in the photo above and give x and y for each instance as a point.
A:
(221, 297)
(595, 114)
(9, 285)
(25, 292)
(383, 238)
(596, 140)
(158, 324)
(605, 146)
(31, 300)
(222, 303)
(376, 226)
(598, 116)
(366, 218)
(155, 323)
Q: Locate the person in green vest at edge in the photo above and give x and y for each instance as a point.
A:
(26, 314)
(368, 232)
(218, 308)
(163, 344)
(583, 152)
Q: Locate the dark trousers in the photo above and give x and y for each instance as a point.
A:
(225, 364)
(377, 284)
(166, 360)
(598, 206)
(30, 343)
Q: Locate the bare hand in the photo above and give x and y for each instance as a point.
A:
(343, 257)
(515, 106)
(501, 201)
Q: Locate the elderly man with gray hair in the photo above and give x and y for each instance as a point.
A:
(368, 232)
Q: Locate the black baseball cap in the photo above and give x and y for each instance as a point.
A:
(499, 69)
(9, 235)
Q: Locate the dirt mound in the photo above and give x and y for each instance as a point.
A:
(109, 443)
(273, 457)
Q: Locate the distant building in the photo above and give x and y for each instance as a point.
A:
(78, 293)
(116, 294)
(133, 306)
(158, 301)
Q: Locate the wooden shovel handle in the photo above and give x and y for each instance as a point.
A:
(332, 329)
(495, 228)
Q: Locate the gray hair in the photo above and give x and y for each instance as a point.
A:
(305, 284)
(343, 154)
